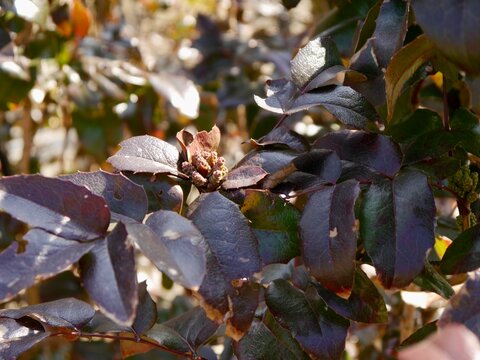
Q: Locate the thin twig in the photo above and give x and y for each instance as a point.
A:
(446, 120)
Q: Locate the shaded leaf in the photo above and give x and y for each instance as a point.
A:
(121, 194)
(324, 164)
(430, 280)
(318, 329)
(163, 192)
(464, 307)
(184, 333)
(269, 160)
(60, 207)
(463, 254)
(109, 276)
(396, 217)
(146, 313)
(243, 308)
(374, 56)
(328, 235)
(64, 313)
(466, 127)
(16, 338)
(377, 152)
(179, 91)
(453, 28)
(146, 154)
(243, 177)
(365, 303)
(45, 255)
(282, 135)
(403, 65)
(174, 245)
(231, 251)
(275, 224)
(260, 343)
(319, 54)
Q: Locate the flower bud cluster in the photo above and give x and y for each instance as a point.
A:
(464, 183)
(207, 170)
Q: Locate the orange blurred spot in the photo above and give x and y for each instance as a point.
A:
(64, 28)
(437, 79)
(81, 19)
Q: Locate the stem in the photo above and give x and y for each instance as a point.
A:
(126, 338)
(446, 120)
(27, 125)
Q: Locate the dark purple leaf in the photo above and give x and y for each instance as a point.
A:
(328, 235)
(109, 276)
(280, 94)
(318, 55)
(232, 251)
(45, 255)
(64, 313)
(464, 307)
(282, 135)
(184, 333)
(377, 152)
(365, 303)
(269, 160)
(261, 343)
(16, 338)
(324, 164)
(146, 313)
(375, 55)
(397, 224)
(163, 192)
(275, 224)
(334, 75)
(463, 254)
(243, 309)
(121, 194)
(60, 207)
(319, 330)
(146, 154)
(174, 245)
(453, 27)
(244, 176)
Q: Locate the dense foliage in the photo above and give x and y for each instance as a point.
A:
(287, 252)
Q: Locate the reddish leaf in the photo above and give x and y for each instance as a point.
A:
(329, 239)
(60, 207)
(243, 309)
(45, 255)
(108, 274)
(201, 141)
(244, 176)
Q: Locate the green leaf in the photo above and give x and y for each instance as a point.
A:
(463, 254)
(453, 27)
(319, 330)
(365, 303)
(403, 65)
(431, 280)
(397, 216)
(466, 127)
(275, 224)
(419, 335)
(328, 235)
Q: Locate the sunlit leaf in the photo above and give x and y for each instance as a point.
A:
(60, 207)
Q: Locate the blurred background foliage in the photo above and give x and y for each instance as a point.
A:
(77, 77)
